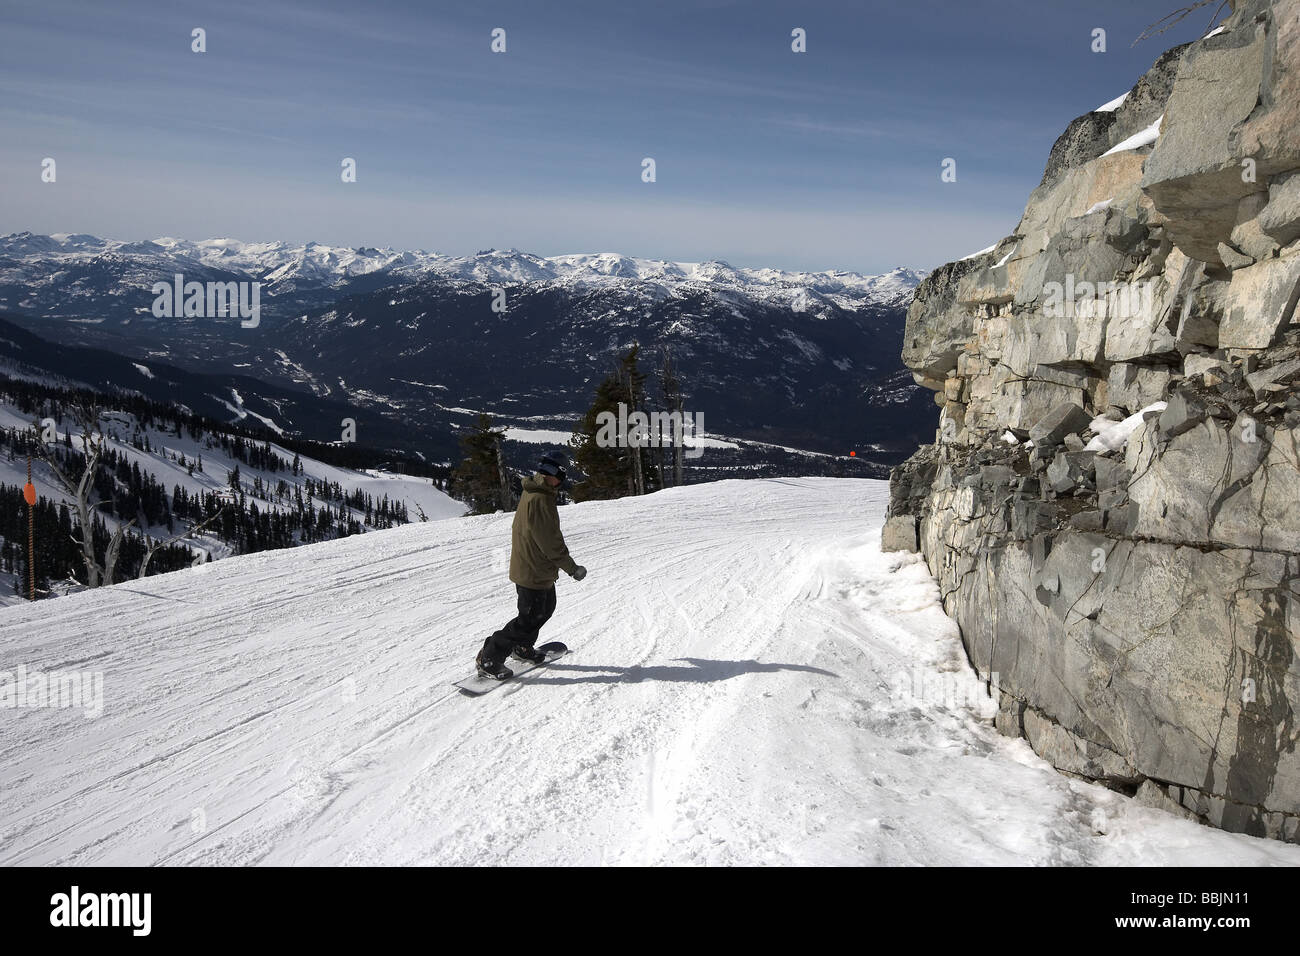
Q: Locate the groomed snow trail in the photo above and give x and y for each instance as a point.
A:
(752, 681)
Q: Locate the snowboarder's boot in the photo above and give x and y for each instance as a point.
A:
(531, 655)
(494, 670)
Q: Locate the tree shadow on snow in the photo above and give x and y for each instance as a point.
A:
(698, 671)
(158, 597)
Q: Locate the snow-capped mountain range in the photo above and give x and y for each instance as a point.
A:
(414, 344)
(282, 268)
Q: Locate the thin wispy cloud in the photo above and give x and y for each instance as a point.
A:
(413, 92)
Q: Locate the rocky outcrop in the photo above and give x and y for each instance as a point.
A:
(1112, 503)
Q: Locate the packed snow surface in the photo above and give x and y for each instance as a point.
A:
(751, 682)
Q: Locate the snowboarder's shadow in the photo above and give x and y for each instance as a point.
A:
(698, 671)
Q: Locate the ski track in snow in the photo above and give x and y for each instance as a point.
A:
(731, 698)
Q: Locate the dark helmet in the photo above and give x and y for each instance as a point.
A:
(551, 465)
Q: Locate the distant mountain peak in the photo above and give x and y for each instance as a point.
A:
(317, 265)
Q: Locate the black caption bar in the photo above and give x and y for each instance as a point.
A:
(211, 906)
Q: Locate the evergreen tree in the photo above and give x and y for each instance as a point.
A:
(614, 463)
(480, 479)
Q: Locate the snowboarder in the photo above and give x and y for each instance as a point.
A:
(537, 554)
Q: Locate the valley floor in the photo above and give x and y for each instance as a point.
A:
(752, 681)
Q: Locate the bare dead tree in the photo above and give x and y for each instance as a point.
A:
(158, 545)
(670, 386)
(92, 449)
(1178, 16)
(636, 479)
(659, 453)
(507, 492)
(112, 551)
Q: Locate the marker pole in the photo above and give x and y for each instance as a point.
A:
(29, 493)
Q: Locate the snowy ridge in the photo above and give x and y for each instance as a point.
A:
(752, 682)
(282, 266)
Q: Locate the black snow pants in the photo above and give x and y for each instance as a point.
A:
(535, 609)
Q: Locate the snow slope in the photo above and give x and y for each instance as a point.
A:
(415, 492)
(752, 681)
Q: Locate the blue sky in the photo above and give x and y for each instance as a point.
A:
(828, 159)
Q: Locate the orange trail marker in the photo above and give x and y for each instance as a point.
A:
(29, 495)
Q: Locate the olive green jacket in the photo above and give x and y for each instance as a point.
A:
(537, 548)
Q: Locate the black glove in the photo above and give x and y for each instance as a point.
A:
(579, 572)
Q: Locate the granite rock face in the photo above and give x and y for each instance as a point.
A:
(1112, 502)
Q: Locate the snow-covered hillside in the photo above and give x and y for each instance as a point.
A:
(169, 459)
(752, 681)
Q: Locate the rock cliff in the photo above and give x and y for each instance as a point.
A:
(1112, 503)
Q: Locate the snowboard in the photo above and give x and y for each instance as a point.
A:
(476, 686)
